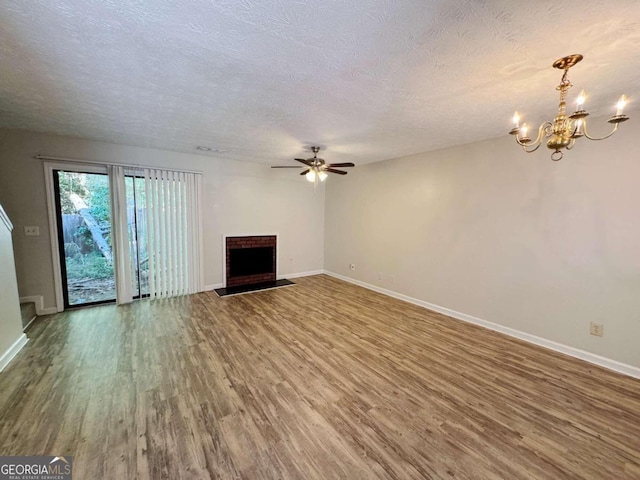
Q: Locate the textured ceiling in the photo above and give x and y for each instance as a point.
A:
(263, 79)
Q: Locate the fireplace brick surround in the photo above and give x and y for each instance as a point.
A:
(254, 241)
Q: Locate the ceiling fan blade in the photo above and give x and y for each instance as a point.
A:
(306, 162)
(285, 166)
(305, 172)
(346, 164)
(339, 172)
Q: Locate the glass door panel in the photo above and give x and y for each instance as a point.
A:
(84, 233)
(137, 235)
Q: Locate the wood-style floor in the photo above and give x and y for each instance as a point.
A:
(322, 380)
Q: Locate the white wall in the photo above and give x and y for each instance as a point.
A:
(483, 229)
(10, 319)
(239, 198)
(486, 230)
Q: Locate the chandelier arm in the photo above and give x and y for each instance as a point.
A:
(571, 144)
(586, 134)
(575, 128)
(544, 130)
(524, 144)
(524, 147)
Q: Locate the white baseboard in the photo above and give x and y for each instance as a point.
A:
(39, 303)
(12, 351)
(24, 327)
(300, 274)
(608, 363)
(208, 288)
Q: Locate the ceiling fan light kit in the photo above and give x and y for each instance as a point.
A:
(565, 129)
(317, 169)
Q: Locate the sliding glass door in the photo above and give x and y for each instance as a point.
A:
(122, 233)
(84, 237)
(83, 208)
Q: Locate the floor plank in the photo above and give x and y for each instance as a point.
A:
(351, 384)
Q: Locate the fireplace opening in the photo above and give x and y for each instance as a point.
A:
(250, 265)
(250, 261)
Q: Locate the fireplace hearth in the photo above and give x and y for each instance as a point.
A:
(250, 264)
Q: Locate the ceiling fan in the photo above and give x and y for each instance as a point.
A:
(317, 168)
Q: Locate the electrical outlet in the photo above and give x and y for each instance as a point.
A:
(32, 231)
(596, 329)
(352, 266)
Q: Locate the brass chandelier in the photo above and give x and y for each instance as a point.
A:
(565, 129)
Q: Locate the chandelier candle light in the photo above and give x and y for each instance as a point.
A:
(565, 129)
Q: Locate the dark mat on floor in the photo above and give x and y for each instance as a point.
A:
(223, 292)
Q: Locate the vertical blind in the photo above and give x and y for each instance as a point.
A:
(172, 207)
(122, 261)
(170, 223)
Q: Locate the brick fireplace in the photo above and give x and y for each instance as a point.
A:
(250, 260)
